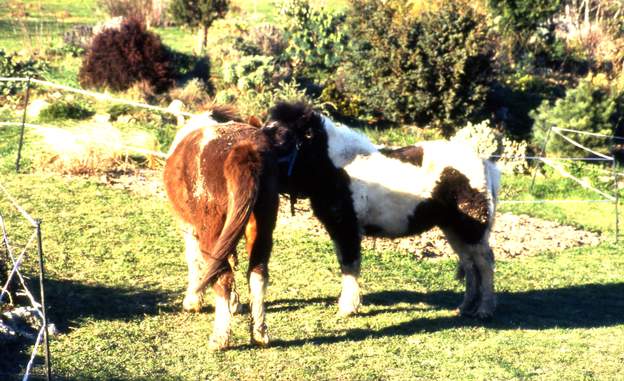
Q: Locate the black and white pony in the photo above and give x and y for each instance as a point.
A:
(356, 189)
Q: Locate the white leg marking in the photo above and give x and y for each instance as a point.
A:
(220, 337)
(257, 290)
(194, 260)
(349, 301)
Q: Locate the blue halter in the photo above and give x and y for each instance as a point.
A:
(290, 158)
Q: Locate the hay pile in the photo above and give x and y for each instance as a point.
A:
(91, 149)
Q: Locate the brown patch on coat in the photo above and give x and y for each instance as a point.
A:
(467, 209)
(411, 154)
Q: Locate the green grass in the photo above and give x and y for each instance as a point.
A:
(597, 216)
(116, 276)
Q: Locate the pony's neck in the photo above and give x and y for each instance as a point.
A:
(344, 143)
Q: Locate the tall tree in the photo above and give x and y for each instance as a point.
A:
(199, 14)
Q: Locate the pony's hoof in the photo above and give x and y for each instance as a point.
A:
(348, 306)
(218, 343)
(467, 309)
(347, 311)
(260, 337)
(192, 303)
(484, 314)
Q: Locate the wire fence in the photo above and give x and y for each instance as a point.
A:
(15, 275)
(552, 162)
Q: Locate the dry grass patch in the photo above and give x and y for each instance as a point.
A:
(91, 149)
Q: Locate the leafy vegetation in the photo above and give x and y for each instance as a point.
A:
(11, 65)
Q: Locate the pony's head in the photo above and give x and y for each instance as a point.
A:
(293, 125)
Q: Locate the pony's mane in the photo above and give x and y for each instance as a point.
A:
(345, 143)
(224, 113)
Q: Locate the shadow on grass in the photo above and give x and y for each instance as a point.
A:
(585, 306)
(70, 301)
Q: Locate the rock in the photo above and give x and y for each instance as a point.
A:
(102, 118)
(177, 106)
(35, 108)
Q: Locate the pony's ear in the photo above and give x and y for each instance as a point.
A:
(293, 114)
(254, 121)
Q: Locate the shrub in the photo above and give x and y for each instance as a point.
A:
(65, 109)
(255, 102)
(194, 94)
(488, 143)
(267, 40)
(316, 38)
(432, 70)
(150, 11)
(588, 107)
(119, 58)
(12, 66)
(526, 22)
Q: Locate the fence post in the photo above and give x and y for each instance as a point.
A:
(541, 155)
(617, 199)
(43, 305)
(21, 140)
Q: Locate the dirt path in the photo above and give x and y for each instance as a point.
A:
(509, 238)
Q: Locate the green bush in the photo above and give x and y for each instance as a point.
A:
(317, 39)
(66, 110)
(433, 70)
(12, 66)
(527, 25)
(587, 107)
(254, 102)
(249, 73)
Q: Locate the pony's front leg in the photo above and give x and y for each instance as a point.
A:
(349, 301)
(220, 337)
(338, 217)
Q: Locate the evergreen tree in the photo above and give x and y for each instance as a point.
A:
(199, 14)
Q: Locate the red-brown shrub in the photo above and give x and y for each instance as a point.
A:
(120, 57)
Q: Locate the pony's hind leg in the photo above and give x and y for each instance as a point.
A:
(194, 260)
(223, 286)
(258, 234)
(471, 276)
(467, 271)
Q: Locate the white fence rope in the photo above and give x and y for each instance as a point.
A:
(96, 95)
(17, 206)
(27, 292)
(17, 261)
(15, 270)
(587, 133)
(579, 145)
(34, 353)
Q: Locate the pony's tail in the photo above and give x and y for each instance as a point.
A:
(241, 170)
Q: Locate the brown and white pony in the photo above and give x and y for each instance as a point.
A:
(224, 179)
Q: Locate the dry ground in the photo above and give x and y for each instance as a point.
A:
(509, 238)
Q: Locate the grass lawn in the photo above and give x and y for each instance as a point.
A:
(117, 275)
